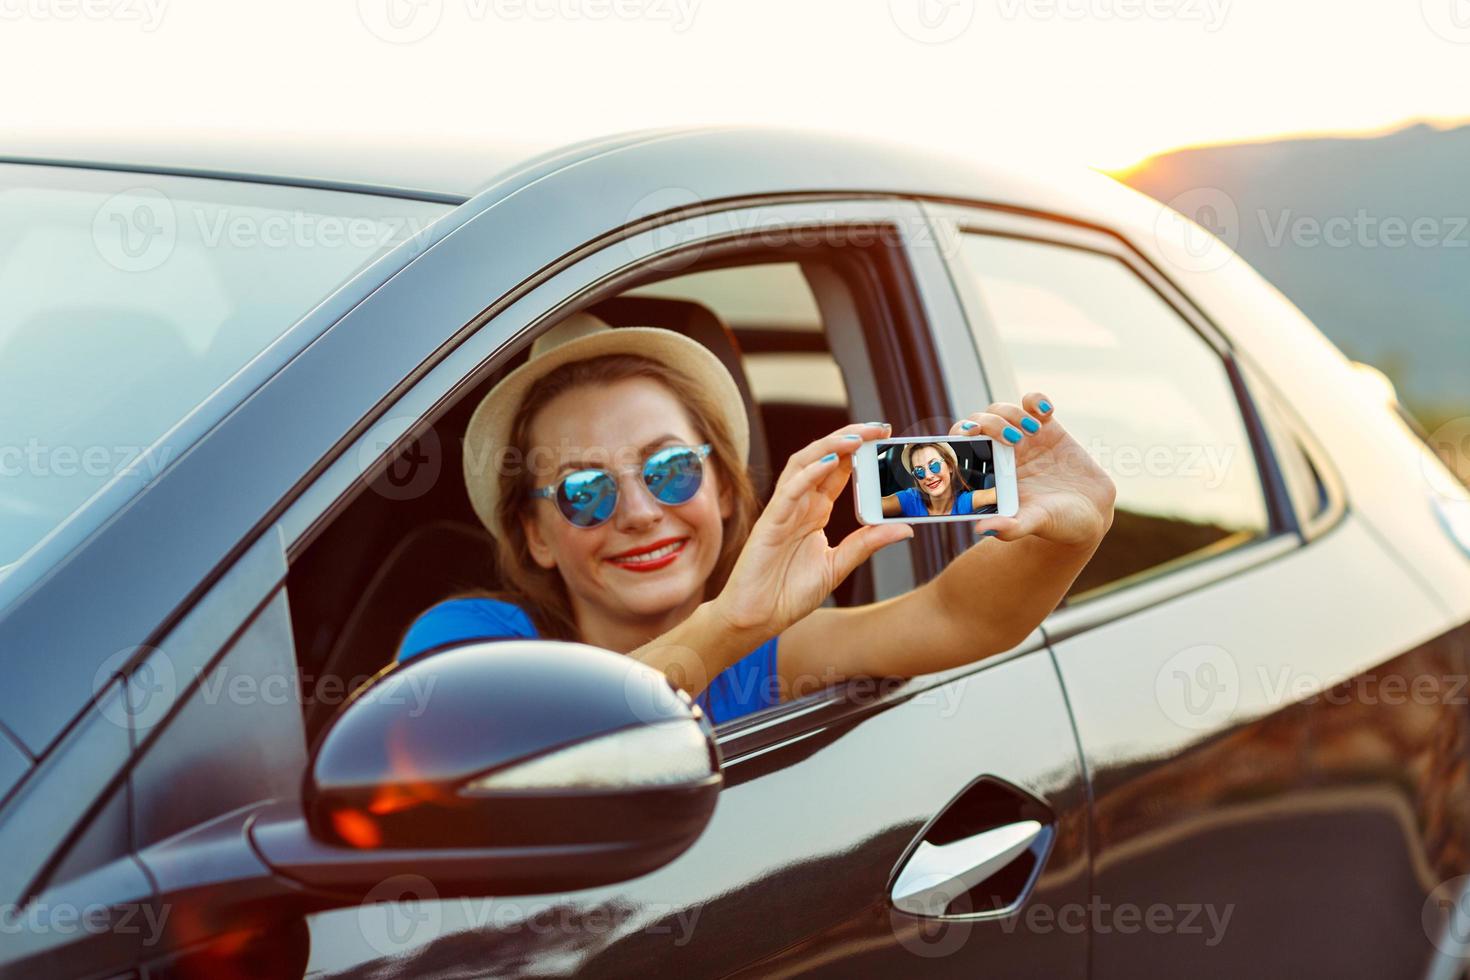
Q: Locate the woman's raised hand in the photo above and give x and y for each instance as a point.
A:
(787, 567)
(1064, 495)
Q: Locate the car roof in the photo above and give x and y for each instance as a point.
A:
(453, 170)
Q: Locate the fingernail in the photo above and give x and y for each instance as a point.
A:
(1011, 434)
(1030, 425)
(882, 425)
(967, 425)
(1045, 406)
(990, 534)
(828, 458)
(852, 435)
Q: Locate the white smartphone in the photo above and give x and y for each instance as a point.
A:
(919, 479)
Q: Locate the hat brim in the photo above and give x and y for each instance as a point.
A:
(488, 434)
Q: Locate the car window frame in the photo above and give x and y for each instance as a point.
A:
(605, 267)
(1284, 531)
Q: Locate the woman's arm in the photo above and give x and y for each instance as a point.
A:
(892, 506)
(982, 498)
(786, 569)
(991, 597)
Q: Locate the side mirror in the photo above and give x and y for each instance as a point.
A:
(506, 767)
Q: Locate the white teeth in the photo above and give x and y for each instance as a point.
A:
(667, 549)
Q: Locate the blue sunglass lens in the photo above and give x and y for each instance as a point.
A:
(587, 497)
(674, 475)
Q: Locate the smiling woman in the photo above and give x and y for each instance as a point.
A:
(624, 517)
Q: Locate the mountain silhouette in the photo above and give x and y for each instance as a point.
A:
(1370, 236)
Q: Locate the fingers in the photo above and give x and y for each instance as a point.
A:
(1007, 528)
(1008, 422)
(996, 426)
(860, 545)
(839, 442)
(795, 485)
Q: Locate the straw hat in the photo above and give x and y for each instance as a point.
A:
(577, 338)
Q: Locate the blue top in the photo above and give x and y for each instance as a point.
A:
(747, 685)
(912, 502)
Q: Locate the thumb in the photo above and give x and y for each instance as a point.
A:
(860, 545)
(1005, 528)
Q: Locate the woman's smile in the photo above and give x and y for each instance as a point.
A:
(649, 557)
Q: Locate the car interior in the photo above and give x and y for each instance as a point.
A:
(388, 556)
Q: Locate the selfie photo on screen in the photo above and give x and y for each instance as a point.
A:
(938, 478)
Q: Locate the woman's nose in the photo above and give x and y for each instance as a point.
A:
(636, 507)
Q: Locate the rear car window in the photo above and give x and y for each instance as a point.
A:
(1136, 386)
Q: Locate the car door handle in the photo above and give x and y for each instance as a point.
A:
(937, 874)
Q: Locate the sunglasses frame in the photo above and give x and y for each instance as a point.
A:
(550, 491)
(934, 467)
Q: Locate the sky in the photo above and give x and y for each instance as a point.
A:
(1100, 83)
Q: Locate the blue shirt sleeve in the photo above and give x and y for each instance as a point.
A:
(465, 619)
(748, 685)
(964, 503)
(908, 499)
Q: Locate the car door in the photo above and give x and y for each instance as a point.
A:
(1250, 812)
(872, 829)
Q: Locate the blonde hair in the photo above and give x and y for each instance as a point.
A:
(957, 484)
(542, 592)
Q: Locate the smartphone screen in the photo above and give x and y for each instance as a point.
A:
(934, 478)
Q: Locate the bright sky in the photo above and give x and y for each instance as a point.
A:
(1097, 82)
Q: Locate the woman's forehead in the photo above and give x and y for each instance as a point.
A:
(614, 420)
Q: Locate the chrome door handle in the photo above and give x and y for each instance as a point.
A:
(937, 874)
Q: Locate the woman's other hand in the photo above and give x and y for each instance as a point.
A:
(1063, 494)
(787, 567)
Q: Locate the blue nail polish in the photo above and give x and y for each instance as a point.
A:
(1045, 406)
(1011, 434)
(852, 435)
(1030, 424)
(829, 457)
(990, 534)
(967, 425)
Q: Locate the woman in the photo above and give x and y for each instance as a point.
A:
(939, 487)
(610, 468)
